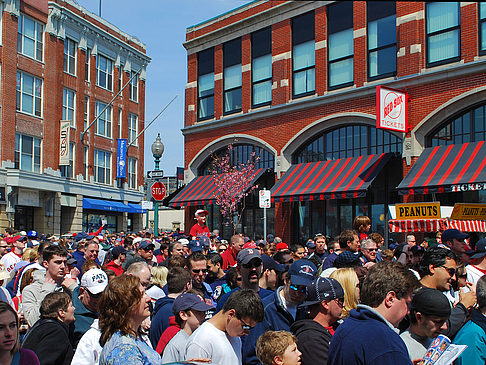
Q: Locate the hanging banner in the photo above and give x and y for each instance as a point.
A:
(64, 143)
(464, 211)
(391, 109)
(121, 158)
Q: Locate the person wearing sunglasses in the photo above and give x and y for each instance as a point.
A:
(281, 308)
(369, 251)
(198, 269)
(324, 302)
(437, 270)
(218, 339)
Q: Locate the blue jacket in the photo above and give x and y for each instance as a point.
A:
(366, 338)
(160, 320)
(473, 334)
(276, 318)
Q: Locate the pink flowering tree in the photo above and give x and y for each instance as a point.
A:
(233, 182)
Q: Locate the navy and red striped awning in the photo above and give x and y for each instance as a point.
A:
(447, 168)
(331, 179)
(202, 190)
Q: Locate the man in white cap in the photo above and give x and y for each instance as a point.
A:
(200, 228)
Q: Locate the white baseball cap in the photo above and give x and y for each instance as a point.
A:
(94, 280)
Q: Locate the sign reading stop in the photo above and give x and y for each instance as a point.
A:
(158, 191)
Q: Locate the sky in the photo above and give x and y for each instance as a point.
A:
(161, 25)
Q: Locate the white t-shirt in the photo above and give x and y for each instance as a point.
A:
(10, 260)
(175, 350)
(473, 274)
(208, 342)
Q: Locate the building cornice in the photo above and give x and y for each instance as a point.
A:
(426, 77)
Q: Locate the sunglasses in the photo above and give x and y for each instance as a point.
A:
(450, 270)
(302, 288)
(222, 250)
(244, 326)
(196, 271)
(252, 264)
(340, 302)
(372, 249)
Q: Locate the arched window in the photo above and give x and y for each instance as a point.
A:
(467, 126)
(348, 141)
(241, 154)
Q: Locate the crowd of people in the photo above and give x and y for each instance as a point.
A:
(98, 298)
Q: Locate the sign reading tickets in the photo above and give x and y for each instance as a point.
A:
(463, 211)
(64, 143)
(391, 109)
(418, 210)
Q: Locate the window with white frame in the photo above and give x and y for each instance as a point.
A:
(120, 115)
(27, 153)
(70, 48)
(86, 163)
(87, 63)
(232, 76)
(120, 77)
(132, 173)
(205, 84)
(86, 112)
(103, 124)
(134, 87)
(102, 167)
(30, 35)
(68, 170)
(303, 55)
(132, 128)
(68, 106)
(261, 67)
(29, 94)
(443, 25)
(104, 72)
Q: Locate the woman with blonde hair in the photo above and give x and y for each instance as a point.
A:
(123, 307)
(348, 279)
(158, 280)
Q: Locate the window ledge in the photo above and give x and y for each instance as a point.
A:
(30, 115)
(30, 58)
(70, 74)
(100, 135)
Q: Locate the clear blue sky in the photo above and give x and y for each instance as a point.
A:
(161, 25)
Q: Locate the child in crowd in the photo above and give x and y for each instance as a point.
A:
(278, 348)
(362, 225)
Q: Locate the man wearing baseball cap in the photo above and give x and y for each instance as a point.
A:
(200, 228)
(190, 311)
(272, 271)
(454, 238)
(144, 253)
(85, 300)
(477, 268)
(325, 300)
(429, 312)
(281, 308)
(119, 256)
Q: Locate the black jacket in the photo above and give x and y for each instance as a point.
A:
(313, 342)
(49, 339)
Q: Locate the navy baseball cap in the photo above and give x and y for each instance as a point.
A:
(302, 272)
(480, 250)
(449, 234)
(83, 236)
(195, 246)
(270, 264)
(323, 288)
(117, 251)
(187, 301)
(310, 244)
(246, 255)
(204, 240)
(144, 244)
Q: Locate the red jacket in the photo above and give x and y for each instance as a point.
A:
(118, 269)
(170, 332)
(229, 258)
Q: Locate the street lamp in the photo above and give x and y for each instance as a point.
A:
(157, 151)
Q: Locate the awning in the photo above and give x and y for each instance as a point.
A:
(202, 190)
(447, 168)
(331, 179)
(136, 208)
(109, 205)
(435, 225)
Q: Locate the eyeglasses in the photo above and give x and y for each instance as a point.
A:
(244, 326)
(302, 288)
(197, 271)
(450, 270)
(372, 249)
(222, 250)
(252, 264)
(340, 302)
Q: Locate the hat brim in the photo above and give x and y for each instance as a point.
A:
(299, 280)
(478, 255)
(309, 303)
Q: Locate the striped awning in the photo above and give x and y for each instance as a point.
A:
(442, 169)
(331, 179)
(202, 190)
(435, 225)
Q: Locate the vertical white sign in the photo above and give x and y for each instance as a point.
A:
(64, 143)
(391, 109)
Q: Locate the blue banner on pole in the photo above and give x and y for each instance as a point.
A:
(121, 158)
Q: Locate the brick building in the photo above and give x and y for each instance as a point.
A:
(295, 81)
(63, 64)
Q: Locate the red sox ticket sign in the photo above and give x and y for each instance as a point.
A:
(391, 109)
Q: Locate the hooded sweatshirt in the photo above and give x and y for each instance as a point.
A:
(160, 319)
(366, 337)
(314, 340)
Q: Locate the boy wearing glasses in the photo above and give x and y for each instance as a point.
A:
(281, 308)
(325, 301)
(218, 339)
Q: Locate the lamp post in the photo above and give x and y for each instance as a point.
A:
(157, 151)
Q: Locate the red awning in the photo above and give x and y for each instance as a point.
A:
(202, 190)
(435, 225)
(331, 179)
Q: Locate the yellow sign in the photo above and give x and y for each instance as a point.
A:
(469, 211)
(418, 210)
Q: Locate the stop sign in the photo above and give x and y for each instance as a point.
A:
(158, 191)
